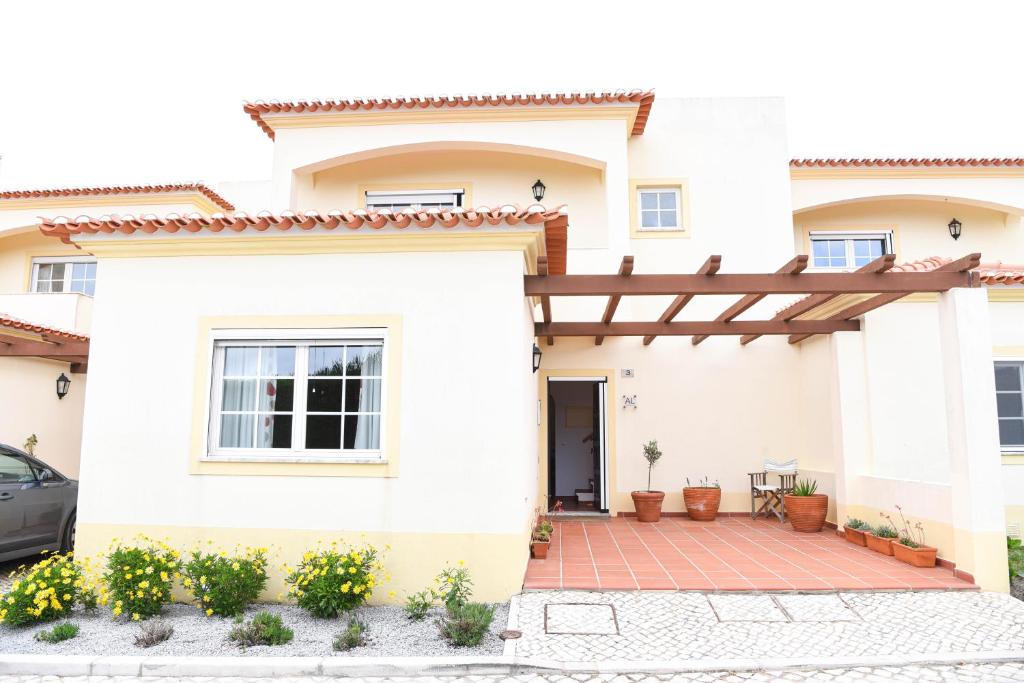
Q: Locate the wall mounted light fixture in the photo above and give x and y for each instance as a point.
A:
(955, 227)
(63, 384)
(538, 190)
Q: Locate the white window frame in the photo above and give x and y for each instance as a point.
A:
(50, 260)
(848, 236)
(222, 338)
(1015, 448)
(674, 189)
(404, 199)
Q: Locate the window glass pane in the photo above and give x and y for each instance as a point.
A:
(362, 431)
(43, 286)
(668, 219)
(275, 431)
(77, 286)
(363, 360)
(668, 200)
(326, 361)
(323, 396)
(90, 270)
(45, 271)
(15, 470)
(648, 200)
(239, 394)
(648, 219)
(90, 288)
(278, 361)
(240, 361)
(819, 248)
(58, 271)
(323, 431)
(1008, 377)
(1009, 405)
(277, 394)
(1011, 432)
(236, 431)
(78, 270)
(362, 395)
(57, 286)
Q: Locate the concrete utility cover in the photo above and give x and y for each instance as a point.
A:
(817, 608)
(743, 607)
(580, 619)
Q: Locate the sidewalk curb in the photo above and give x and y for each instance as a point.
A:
(269, 667)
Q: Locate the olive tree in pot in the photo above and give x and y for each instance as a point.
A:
(648, 503)
(806, 508)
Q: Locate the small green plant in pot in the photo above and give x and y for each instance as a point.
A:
(880, 538)
(541, 540)
(648, 503)
(702, 499)
(909, 546)
(855, 529)
(806, 507)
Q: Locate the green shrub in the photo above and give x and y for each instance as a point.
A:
(465, 625)
(1015, 555)
(330, 582)
(45, 591)
(65, 631)
(805, 487)
(909, 542)
(352, 637)
(885, 531)
(140, 577)
(854, 523)
(454, 587)
(418, 604)
(263, 629)
(225, 585)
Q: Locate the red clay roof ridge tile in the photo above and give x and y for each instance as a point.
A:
(119, 190)
(962, 162)
(11, 322)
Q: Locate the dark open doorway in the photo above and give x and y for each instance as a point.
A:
(576, 444)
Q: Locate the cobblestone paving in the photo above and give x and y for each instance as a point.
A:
(663, 626)
(988, 673)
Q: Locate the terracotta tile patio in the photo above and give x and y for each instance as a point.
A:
(731, 553)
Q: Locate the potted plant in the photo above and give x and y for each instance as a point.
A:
(909, 547)
(702, 500)
(880, 538)
(855, 531)
(648, 503)
(541, 540)
(806, 508)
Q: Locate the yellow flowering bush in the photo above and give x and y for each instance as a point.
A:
(45, 591)
(225, 584)
(331, 581)
(139, 578)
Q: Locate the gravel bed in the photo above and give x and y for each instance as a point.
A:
(390, 633)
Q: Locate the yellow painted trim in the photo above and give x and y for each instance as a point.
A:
(1013, 458)
(542, 435)
(466, 185)
(199, 200)
(1008, 351)
(202, 389)
(497, 561)
(637, 184)
(912, 172)
(1006, 295)
(894, 228)
(626, 113)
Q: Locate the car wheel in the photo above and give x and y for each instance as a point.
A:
(68, 542)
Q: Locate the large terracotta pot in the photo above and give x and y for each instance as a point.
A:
(856, 536)
(648, 505)
(702, 502)
(921, 556)
(539, 549)
(807, 513)
(879, 544)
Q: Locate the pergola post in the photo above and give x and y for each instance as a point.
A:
(851, 430)
(979, 521)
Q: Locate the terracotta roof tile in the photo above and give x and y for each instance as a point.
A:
(995, 273)
(119, 190)
(644, 98)
(13, 323)
(902, 163)
(555, 222)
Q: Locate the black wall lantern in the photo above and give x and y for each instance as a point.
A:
(954, 229)
(63, 384)
(537, 353)
(538, 190)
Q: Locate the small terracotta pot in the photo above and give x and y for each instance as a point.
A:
(878, 543)
(648, 505)
(702, 502)
(807, 513)
(856, 536)
(921, 556)
(539, 549)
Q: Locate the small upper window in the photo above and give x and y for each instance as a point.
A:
(848, 250)
(1010, 403)
(414, 199)
(659, 208)
(68, 274)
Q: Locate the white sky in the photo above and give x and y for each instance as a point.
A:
(96, 93)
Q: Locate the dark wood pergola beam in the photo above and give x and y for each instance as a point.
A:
(795, 265)
(692, 327)
(687, 286)
(545, 301)
(709, 268)
(40, 349)
(960, 266)
(625, 268)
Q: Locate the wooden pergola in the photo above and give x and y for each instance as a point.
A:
(875, 280)
(21, 339)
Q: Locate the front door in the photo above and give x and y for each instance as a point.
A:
(577, 444)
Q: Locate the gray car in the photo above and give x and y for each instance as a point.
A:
(37, 506)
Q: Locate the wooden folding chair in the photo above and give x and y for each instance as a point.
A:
(771, 495)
